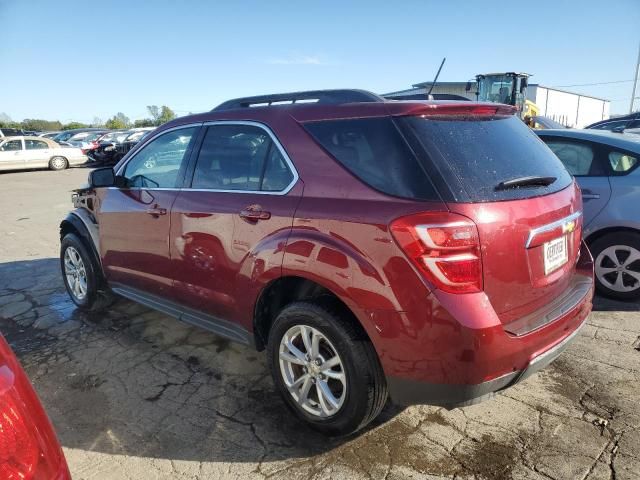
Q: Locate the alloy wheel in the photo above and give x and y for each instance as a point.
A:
(312, 371)
(75, 273)
(618, 268)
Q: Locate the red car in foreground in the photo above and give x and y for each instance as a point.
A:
(29, 448)
(426, 251)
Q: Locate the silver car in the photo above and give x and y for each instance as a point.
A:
(607, 168)
(22, 153)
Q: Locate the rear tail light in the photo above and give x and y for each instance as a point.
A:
(18, 446)
(29, 448)
(445, 248)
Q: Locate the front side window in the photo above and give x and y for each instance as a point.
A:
(621, 162)
(35, 145)
(11, 146)
(240, 157)
(576, 157)
(158, 164)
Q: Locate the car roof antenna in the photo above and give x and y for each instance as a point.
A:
(433, 84)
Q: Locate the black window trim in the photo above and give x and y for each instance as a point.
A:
(196, 153)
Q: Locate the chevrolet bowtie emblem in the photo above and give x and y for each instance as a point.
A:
(569, 227)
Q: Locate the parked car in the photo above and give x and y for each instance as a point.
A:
(30, 448)
(86, 141)
(21, 153)
(617, 124)
(65, 135)
(10, 132)
(130, 141)
(541, 122)
(49, 134)
(430, 251)
(605, 164)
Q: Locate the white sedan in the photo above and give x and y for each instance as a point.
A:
(21, 153)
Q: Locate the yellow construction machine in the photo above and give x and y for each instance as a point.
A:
(509, 88)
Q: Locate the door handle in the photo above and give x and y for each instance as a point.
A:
(589, 195)
(156, 211)
(255, 214)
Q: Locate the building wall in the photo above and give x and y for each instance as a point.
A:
(570, 109)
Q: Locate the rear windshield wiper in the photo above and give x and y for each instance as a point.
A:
(526, 182)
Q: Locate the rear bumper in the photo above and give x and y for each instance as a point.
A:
(410, 392)
(455, 351)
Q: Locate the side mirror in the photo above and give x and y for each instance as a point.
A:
(523, 84)
(102, 177)
(619, 129)
(467, 87)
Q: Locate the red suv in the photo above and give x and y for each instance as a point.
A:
(426, 251)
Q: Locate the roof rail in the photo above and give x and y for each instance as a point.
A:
(311, 96)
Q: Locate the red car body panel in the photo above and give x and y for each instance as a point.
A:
(216, 254)
(17, 394)
(334, 230)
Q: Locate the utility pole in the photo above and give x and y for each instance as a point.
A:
(635, 81)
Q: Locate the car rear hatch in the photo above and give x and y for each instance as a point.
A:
(491, 169)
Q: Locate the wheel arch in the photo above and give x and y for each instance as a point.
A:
(598, 234)
(285, 290)
(76, 223)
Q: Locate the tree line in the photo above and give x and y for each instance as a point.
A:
(157, 116)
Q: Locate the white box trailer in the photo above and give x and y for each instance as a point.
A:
(568, 108)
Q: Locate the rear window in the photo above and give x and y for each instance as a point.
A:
(475, 154)
(374, 151)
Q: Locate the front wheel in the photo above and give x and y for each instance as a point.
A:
(617, 265)
(81, 274)
(325, 371)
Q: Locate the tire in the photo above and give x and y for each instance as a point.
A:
(617, 265)
(58, 163)
(85, 293)
(357, 399)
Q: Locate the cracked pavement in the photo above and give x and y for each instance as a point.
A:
(136, 394)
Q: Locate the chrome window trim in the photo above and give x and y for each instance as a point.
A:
(550, 226)
(252, 123)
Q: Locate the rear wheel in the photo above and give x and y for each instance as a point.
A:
(617, 265)
(326, 373)
(58, 163)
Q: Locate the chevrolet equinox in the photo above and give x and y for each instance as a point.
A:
(427, 252)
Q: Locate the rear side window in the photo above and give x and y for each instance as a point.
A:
(476, 154)
(242, 158)
(374, 151)
(35, 145)
(576, 157)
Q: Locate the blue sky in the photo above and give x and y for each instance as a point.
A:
(76, 60)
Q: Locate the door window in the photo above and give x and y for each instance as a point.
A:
(35, 145)
(11, 145)
(621, 162)
(576, 157)
(240, 157)
(159, 163)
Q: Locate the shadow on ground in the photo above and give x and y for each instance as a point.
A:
(131, 381)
